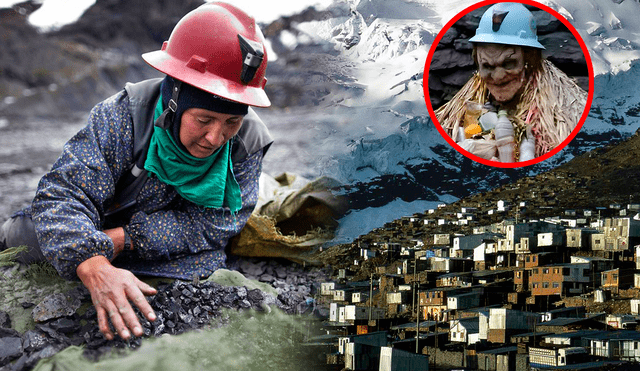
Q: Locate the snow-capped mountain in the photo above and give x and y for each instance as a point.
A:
(383, 145)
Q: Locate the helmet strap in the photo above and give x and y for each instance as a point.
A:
(165, 119)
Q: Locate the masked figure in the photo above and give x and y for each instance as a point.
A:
(517, 106)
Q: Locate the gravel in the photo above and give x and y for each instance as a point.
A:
(180, 306)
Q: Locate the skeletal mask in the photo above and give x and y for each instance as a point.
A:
(501, 67)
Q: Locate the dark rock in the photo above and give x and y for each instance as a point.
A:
(315, 288)
(26, 304)
(87, 328)
(146, 331)
(449, 36)
(33, 340)
(279, 284)
(79, 292)
(269, 270)
(175, 293)
(469, 22)
(304, 306)
(5, 320)
(292, 280)
(53, 333)
(252, 269)
(55, 306)
(8, 332)
(10, 349)
(230, 298)
(96, 341)
(546, 23)
(64, 325)
(158, 329)
(179, 307)
(449, 58)
(281, 272)
(90, 314)
(266, 278)
(463, 45)
(458, 78)
(255, 296)
(185, 317)
(29, 360)
(76, 340)
(290, 301)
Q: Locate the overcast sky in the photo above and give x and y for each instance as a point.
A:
(56, 13)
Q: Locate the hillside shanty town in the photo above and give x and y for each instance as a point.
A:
(553, 293)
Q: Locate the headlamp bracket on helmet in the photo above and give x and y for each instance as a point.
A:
(252, 57)
(497, 19)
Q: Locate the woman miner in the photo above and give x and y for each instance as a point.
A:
(165, 172)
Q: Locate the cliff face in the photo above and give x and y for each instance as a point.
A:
(65, 72)
(130, 26)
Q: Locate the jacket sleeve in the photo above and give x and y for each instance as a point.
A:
(188, 228)
(69, 201)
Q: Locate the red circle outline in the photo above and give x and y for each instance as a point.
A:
(481, 160)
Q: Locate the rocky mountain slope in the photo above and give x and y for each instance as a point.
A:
(592, 181)
(65, 72)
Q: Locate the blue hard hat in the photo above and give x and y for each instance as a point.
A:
(507, 23)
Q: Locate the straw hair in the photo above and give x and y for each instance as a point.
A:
(551, 103)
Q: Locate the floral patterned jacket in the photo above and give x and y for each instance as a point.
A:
(171, 237)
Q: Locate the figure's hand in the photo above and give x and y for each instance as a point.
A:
(111, 290)
(485, 148)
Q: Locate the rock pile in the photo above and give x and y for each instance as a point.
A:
(295, 284)
(179, 306)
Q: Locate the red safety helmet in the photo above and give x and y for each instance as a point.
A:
(217, 48)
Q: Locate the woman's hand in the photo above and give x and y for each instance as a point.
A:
(111, 290)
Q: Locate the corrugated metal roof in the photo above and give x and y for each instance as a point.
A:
(562, 321)
(574, 334)
(423, 324)
(499, 350)
(615, 335)
(472, 325)
(596, 365)
(531, 334)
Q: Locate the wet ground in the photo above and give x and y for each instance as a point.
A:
(28, 150)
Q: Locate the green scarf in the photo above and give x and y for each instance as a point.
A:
(207, 182)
